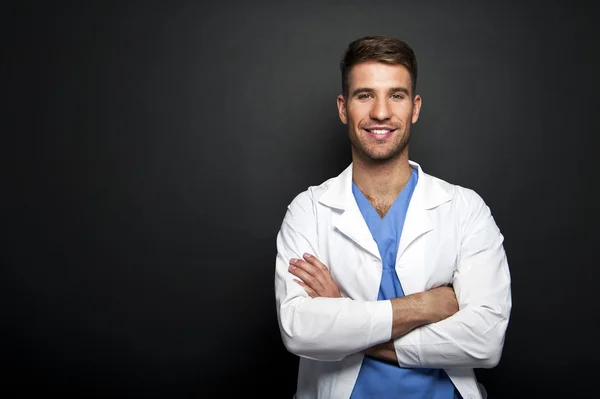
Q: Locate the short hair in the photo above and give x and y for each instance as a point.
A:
(385, 49)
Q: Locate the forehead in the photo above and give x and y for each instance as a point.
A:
(375, 74)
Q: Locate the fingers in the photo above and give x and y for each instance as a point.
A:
(306, 272)
(313, 276)
(314, 261)
(311, 293)
(315, 268)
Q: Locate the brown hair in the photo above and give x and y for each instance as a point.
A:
(387, 50)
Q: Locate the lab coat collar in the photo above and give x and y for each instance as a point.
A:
(339, 194)
(428, 194)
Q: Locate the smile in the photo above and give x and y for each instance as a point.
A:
(379, 131)
(380, 134)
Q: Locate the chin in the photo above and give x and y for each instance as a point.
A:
(378, 156)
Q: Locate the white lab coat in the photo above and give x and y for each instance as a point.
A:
(449, 236)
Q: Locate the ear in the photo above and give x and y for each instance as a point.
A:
(341, 104)
(417, 102)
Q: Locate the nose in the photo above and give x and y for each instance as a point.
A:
(381, 110)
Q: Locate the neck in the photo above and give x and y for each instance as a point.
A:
(381, 180)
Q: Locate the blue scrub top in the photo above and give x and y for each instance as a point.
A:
(378, 379)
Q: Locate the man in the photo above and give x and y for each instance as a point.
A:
(389, 282)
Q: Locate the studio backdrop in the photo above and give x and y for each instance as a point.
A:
(150, 149)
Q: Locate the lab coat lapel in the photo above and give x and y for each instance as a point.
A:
(417, 221)
(350, 221)
(426, 196)
(352, 224)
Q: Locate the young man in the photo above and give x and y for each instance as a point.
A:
(389, 282)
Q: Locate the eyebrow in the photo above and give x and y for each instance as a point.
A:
(361, 90)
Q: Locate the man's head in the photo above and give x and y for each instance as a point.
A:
(379, 103)
(387, 50)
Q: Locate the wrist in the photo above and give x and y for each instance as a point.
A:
(422, 309)
(409, 312)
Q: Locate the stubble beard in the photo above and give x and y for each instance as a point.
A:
(372, 155)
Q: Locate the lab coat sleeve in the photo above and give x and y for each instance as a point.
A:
(474, 336)
(326, 329)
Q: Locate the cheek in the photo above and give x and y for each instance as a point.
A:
(403, 111)
(356, 114)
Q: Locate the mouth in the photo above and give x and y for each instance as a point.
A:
(380, 133)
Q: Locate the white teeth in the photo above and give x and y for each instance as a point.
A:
(379, 131)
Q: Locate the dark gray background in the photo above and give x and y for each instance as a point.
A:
(149, 151)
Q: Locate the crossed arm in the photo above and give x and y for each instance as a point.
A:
(408, 312)
(422, 330)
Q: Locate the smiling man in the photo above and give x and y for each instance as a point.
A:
(389, 282)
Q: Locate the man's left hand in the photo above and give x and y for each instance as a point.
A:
(314, 277)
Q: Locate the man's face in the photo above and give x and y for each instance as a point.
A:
(379, 110)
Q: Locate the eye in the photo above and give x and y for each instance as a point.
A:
(364, 96)
(398, 96)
